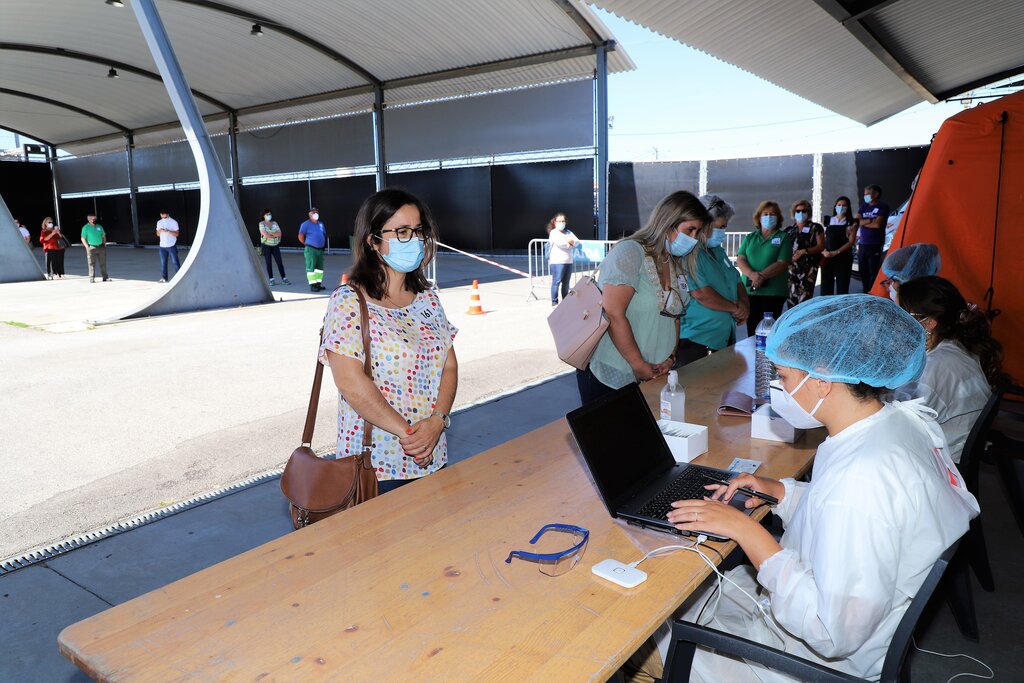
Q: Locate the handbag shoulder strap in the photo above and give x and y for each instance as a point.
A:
(318, 375)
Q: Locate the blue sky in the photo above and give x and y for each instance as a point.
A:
(681, 103)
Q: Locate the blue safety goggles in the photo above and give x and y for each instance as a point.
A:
(556, 564)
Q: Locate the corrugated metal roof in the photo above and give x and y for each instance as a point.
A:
(898, 54)
(336, 45)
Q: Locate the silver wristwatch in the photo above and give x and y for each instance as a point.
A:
(446, 419)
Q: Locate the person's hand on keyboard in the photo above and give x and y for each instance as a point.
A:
(772, 487)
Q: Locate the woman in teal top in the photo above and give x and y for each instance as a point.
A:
(718, 299)
(644, 293)
(763, 258)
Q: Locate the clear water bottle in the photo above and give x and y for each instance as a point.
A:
(764, 372)
(673, 399)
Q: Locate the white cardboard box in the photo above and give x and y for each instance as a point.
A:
(765, 423)
(685, 440)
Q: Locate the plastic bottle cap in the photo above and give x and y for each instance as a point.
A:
(673, 378)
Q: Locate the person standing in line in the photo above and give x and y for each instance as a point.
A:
(872, 217)
(167, 231)
(718, 299)
(808, 243)
(562, 242)
(53, 251)
(270, 240)
(840, 236)
(763, 258)
(94, 239)
(24, 232)
(313, 235)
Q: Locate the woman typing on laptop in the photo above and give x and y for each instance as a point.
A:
(884, 502)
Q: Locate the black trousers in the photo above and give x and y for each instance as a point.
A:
(835, 274)
(54, 261)
(590, 387)
(761, 304)
(688, 351)
(869, 262)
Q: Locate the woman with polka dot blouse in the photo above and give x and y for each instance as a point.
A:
(415, 372)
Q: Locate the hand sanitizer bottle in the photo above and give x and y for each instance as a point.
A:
(673, 399)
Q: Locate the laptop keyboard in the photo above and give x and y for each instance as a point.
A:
(689, 485)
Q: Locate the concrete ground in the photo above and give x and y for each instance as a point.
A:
(39, 601)
(104, 422)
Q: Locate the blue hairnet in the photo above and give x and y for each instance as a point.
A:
(850, 338)
(912, 262)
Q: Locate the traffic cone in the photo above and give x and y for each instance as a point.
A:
(344, 278)
(474, 301)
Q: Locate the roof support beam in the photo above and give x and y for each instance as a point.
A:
(981, 82)
(592, 35)
(859, 31)
(96, 59)
(859, 10)
(62, 105)
(298, 36)
(601, 141)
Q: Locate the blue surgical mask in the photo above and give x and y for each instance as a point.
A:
(840, 209)
(682, 245)
(717, 238)
(800, 216)
(769, 221)
(403, 257)
(867, 199)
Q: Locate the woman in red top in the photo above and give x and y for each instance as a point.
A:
(52, 249)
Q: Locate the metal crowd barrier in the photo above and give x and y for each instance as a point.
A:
(587, 256)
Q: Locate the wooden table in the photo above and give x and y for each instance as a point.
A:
(413, 586)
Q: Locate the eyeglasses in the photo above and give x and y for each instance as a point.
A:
(556, 564)
(664, 310)
(404, 234)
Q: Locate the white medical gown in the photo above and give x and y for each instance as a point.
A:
(884, 502)
(954, 386)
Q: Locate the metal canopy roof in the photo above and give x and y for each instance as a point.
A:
(864, 59)
(314, 58)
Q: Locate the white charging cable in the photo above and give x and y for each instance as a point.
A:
(991, 673)
(695, 548)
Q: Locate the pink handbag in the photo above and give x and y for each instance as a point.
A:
(578, 323)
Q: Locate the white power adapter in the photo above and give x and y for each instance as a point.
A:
(618, 573)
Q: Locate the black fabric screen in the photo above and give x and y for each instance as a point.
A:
(838, 179)
(288, 202)
(635, 189)
(114, 213)
(27, 189)
(460, 201)
(891, 169)
(745, 183)
(182, 205)
(338, 200)
(72, 214)
(524, 197)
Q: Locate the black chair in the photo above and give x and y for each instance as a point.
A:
(973, 551)
(687, 636)
(1007, 437)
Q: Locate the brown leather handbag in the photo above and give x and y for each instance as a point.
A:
(316, 487)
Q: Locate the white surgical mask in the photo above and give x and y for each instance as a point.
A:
(840, 209)
(560, 225)
(867, 199)
(267, 217)
(893, 294)
(49, 225)
(789, 410)
(315, 216)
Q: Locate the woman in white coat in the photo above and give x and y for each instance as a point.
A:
(964, 361)
(884, 501)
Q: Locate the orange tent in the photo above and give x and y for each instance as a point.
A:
(969, 201)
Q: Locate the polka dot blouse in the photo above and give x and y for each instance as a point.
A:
(408, 349)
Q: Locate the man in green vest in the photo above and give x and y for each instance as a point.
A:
(94, 239)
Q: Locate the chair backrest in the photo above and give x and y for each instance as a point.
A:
(974, 447)
(897, 652)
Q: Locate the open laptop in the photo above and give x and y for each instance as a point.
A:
(632, 465)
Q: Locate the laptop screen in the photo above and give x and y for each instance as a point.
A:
(620, 441)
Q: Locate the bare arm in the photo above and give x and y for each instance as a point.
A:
(302, 238)
(819, 244)
(774, 269)
(615, 299)
(709, 298)
(423, 435)
(744, 266)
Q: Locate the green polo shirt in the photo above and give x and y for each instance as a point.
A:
(93, 234)
(761, 252)
(702, 324)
